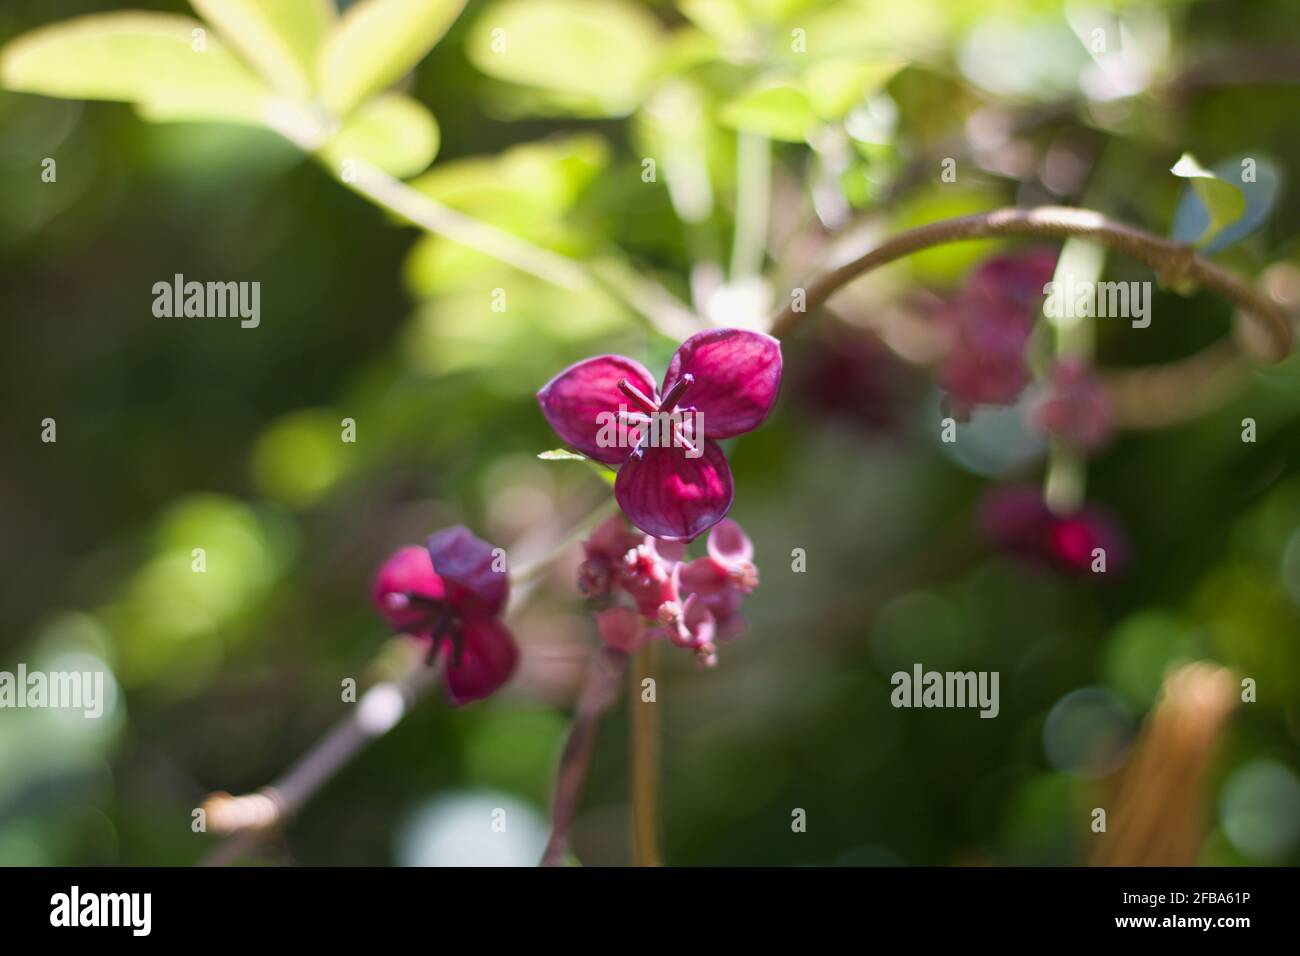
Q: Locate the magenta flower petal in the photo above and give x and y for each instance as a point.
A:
(729, 543)
(648, 579)
(1074, 407)
(611, 540)
(1015, 280)
(488, 657)
(408, 571)
(465, 564)
(671, 551)
(574, 400)
(705, 576)
(737, 375)
(668, 495)
(621, 628)
(1017, 520)
(695, 626)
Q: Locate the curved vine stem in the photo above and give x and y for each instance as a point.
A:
(1172, 261)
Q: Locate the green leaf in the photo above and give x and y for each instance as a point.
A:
(1223, 200)
(156, 61)
(528, 183)
(1260, 181)
(590, 57)
(561, 454)
(834, 87)
(778, 112)
(279, 38)
(391, 131)
(603, 472)
(527, 191)
(375, 43)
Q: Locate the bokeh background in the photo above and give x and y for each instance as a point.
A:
(173, 432)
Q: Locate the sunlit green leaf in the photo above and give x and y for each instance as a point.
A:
(725, 19)
(778, 112)
(561, 454)
(857, 29)
(280, 38)
(602, 471)
(169, 66)
(377, 42)
(526, 191)
(392, 131)
(525, 184)
(591, 57)
(836, 86)
(1224, 202)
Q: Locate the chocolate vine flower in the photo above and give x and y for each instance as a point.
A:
(1017, 520)
(450, 594)
(992, 319)
(1073, 406)
(652, 592)
(673, 479)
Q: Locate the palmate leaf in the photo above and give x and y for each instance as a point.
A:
(173, 68)
(1222, 200)
(377, 42)
(155, 61)
(587, 57)
(279, 38)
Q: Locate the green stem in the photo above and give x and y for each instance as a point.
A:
(1066, 477)
(641, 295)
(753, 202)
(429, 214)
(644, 722)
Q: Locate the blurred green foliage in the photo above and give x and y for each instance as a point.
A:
(179, 434)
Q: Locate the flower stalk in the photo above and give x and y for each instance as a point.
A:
(645, 741)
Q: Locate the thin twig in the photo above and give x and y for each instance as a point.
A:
(604, 679)
(1171, 260)
(250, 817)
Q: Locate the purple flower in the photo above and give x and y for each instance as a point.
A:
(652, 592)
(991, 321)
(725, 379)
(451, 594)
(1017, 520)
(1015, 280)
(851, 376)
(1074, 407)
